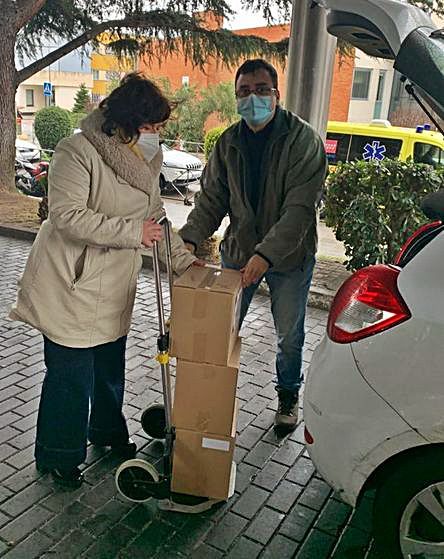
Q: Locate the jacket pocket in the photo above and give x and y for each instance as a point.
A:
(79, 267)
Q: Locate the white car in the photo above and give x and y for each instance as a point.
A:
(27, 150)
(374, 395)
(179, 168)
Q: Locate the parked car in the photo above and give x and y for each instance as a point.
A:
(374, 395)
(179, 168)
(27, 150)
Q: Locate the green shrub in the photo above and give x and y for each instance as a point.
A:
(211, 138)
(51, 125)
(373, 207)
(75, 119)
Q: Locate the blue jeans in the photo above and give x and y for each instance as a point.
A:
(74, 378)
(289, 293)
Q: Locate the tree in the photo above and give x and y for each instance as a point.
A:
(136, 26)
(193, 107)
(220, 99)
(188, 118)
(81, 100)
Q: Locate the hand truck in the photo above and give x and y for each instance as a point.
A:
(136, 479)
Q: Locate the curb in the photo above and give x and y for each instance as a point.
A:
(318, 297)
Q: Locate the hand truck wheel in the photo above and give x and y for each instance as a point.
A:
(154, 422)
(137, 480)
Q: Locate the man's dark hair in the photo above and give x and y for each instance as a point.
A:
(135, 102)
(251, 66)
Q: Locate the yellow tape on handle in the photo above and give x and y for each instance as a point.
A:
(163, 358)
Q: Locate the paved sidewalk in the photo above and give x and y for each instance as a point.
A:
(281, 509)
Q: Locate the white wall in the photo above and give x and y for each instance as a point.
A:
(363, 110)
(66, 85)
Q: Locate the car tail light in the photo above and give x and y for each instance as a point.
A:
(308, 436)
(369, 302)
(412, 239)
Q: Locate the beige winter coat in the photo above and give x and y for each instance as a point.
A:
(80, 279)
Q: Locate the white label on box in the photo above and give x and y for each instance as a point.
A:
(215, 444)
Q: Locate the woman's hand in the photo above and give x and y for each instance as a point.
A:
(151, 232)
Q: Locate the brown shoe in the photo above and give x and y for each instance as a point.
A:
(286, 418)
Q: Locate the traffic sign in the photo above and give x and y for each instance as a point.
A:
(47, 89)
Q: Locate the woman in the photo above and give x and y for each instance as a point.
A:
(79, 283)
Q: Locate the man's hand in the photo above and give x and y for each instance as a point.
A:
(254, 270)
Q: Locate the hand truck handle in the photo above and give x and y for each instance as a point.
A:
(163, 338)
(163, 221)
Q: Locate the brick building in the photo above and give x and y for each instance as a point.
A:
(180, 72)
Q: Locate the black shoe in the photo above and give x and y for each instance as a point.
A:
(127, 450)
(69, 479)
(286, 418)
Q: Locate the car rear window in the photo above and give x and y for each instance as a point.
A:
(336, 147)
(374, 148)
(429, 154)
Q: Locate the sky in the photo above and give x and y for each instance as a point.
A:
(243, 18)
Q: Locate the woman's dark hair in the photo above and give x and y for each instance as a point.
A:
(135, 102)
(251, 66)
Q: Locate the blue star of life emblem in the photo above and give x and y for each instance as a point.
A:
(374, 151)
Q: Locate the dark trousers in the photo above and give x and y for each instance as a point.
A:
(76, 378)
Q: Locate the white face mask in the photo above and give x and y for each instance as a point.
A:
(148, 144)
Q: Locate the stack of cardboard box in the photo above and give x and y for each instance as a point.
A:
(204, 338)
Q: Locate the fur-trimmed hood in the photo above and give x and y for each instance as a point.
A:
(119, 156)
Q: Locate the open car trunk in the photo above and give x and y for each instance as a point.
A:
(395, 30)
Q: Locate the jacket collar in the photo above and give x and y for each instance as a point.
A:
(119, 156)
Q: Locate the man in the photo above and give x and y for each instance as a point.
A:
(267, 172)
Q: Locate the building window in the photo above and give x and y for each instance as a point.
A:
(361, 83)
(112, 76)
(95, 74)
(185, 81)
(29, 97)
(96, 97)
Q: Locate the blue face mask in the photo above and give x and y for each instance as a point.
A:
(255, 110)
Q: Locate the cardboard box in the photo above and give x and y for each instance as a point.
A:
(203, 465)
(205, 395)
(205, 315)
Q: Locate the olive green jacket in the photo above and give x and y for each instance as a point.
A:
(283, 230)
